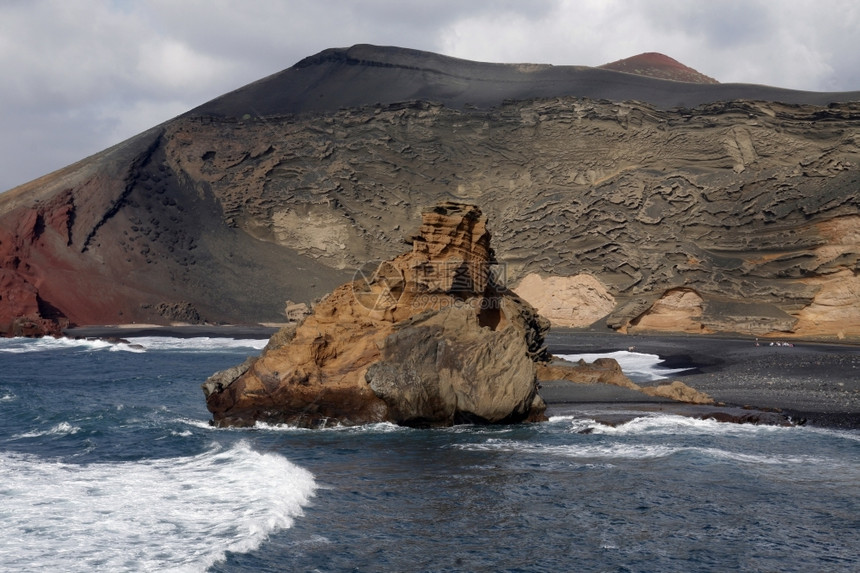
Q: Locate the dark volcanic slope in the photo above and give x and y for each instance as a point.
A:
(126, 237)
(747, 209)
(368, 75)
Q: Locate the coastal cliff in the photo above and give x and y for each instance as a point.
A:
(620, 201)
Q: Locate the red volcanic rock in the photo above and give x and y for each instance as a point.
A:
(23, 312)
(660, 66)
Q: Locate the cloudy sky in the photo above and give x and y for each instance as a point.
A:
(80, 75)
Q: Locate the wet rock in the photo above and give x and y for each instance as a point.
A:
(679, 392)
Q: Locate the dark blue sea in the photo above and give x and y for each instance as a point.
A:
(108, 463)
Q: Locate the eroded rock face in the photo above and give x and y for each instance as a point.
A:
(428, 338)
(647, 185)
(444, 366)
(576, 301)
(23, 309)
(737, 204)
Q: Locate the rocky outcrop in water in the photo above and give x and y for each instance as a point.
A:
(428, 338)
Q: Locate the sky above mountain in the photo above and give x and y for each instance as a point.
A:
(80, 75)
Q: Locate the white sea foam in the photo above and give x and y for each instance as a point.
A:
(585, 451)
(197, 344)
(199, 424)
(637, 366)
(376, 428)
(589, 451)
(61, 429)
(667, 424)
(177, 514)
(670, 426)
(24, 345)
(851, 435)
(134, 344)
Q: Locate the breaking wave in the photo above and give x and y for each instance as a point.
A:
(134, 344)
(177, 514)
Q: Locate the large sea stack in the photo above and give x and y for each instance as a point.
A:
(429, 338)
(655, 202)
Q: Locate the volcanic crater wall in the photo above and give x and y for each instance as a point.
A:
(748, 207)
(737, 216)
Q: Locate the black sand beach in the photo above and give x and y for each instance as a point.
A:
(811, 382)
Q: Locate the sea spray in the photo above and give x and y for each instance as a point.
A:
(132, 344)
(148, 515)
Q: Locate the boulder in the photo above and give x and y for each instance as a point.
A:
(608, 371)
(601, 371)
(444, 366)
(430, 338)
(679, 392)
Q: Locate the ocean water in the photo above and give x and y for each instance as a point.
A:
(107, 463)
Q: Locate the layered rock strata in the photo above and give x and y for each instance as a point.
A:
(428, 338)
(733, 217)
(693, 207)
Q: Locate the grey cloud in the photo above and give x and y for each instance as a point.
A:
(715, 24)
(81, 76)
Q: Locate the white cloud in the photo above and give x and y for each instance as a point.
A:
(171, 66)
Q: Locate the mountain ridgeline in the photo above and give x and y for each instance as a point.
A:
(616, 200)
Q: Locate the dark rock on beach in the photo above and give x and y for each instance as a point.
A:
(804, 382)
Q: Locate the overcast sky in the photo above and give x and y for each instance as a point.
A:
(77, 76)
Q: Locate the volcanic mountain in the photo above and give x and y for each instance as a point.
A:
(616, 199)
(656, 65)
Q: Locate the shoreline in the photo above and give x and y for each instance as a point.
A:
(812, 381)
(114, 331)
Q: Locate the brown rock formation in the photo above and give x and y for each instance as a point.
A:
(428, 338)
(608, 371)
(576, 301)
(678, 310)
(679, 392)
(601, 371)
(651, 187)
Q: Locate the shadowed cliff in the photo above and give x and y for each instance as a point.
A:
(687, 206)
